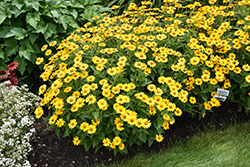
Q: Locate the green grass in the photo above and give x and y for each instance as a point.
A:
(228, 147)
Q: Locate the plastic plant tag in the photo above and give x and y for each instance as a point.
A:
(222, 92)
(220, 98)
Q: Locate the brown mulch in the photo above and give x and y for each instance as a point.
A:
(50, 151)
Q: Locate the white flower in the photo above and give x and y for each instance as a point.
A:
(16, 103)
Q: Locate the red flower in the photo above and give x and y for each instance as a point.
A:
(13, 80)
(4, 74)
(12, 66)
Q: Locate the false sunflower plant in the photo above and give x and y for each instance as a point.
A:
(124, 79)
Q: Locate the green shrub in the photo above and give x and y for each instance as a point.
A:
(125, 79)
(25, 25)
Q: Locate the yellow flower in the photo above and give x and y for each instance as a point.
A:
(102, 103)
(106, 142)
(165, 125)
(72, 123)
(117, 140)
(60, 122)
(76, 141)
(71, 99)
(48, 52)
(178, 112)
(39, 60)
(39, 112)
(52, 119)
(67, 89)
(92, 129)
(159, 138)
(84, 126)
(195, 60)
(44, 48)
(121, 147)
(90, 99)
(248, 78)
(112, 71)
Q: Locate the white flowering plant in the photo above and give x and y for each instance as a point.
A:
(16, 106)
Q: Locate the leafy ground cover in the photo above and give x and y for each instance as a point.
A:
(48, 150)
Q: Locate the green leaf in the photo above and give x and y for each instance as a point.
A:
(2, 17)
(245, 84)
(22, 64)
(33, 37)
(74, 13)
(33, 4)
(11, 42)
(9, 51)
(19, 33)
(101, 136)
(55, 13)
(50, 30)
(71, 21)
(66, 133)
(32, 19)
(4, 32)
(41, 27)
(57, 130)
(1, 52)
(11, 46)
(150, 141)
(18, 3)
(143, 137)
(95, 142)
(25, 51)
(131, 140)
(63, 21)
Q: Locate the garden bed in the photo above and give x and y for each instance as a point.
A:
(48, 150)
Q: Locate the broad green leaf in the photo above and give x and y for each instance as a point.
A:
(11, 42)
(73, 13)
(55, 13)
(5, 32)
(33, 37)
(11, 46)
(25, 51)
(71, 21)
(41, 27)
(19, 33)
(18, 3)
(1, 52)
(50, 30)
(33, 4)
(32, 19)
(2, 17)
(22, 64)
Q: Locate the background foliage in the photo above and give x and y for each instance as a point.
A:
(26, 25)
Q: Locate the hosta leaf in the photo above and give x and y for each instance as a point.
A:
(50, 30)
(33, 4)
(5, 32)
(41, 27)
(22, 64)
(25, 51)
(18, 3)
(1, 52)
(2, 17)
(33, 37)
(32, 19)
(71, 21)
(19, 33)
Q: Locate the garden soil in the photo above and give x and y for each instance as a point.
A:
(49, 151)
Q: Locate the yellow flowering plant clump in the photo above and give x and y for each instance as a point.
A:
(124, 79)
